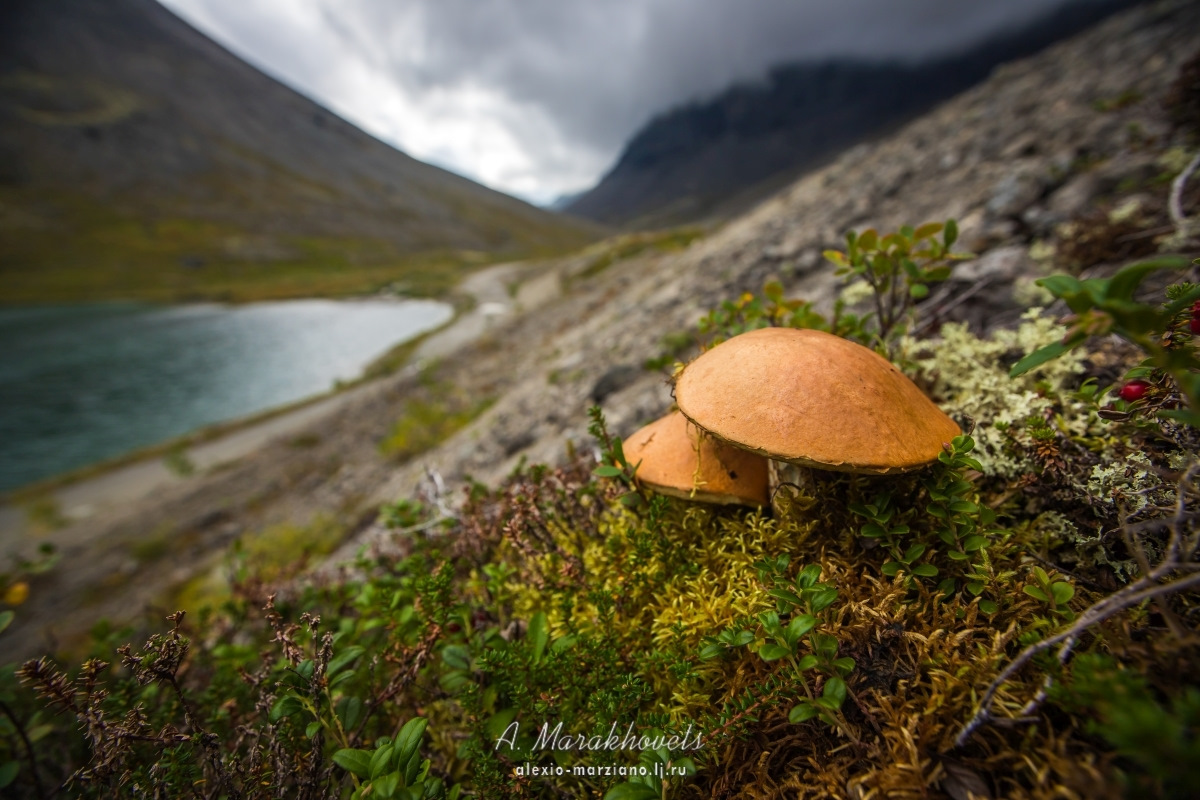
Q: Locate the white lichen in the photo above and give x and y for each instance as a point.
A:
(856, 292)
(1027, 293)
(1132, 484)
(970, 378)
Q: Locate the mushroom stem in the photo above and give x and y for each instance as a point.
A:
(782, 474)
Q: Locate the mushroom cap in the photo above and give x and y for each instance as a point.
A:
(813, 399)
(678, 461)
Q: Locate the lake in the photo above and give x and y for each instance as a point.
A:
(81, 384)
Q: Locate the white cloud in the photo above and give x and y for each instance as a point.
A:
(537, 97)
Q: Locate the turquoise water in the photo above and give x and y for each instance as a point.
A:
(84, 383)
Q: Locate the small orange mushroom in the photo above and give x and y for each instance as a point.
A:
(677, 460)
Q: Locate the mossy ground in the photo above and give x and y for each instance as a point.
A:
(560, 597)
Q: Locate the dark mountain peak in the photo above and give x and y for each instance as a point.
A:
(713, 157)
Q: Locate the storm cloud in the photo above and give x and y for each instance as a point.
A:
(537, 97)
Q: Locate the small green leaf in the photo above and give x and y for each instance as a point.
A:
(799, 626)
(686, 764)
(973, 543)
(925, 570)
(539, 635)
(711, 651)
(975, 588)
(1061, 285)
(8, 773)
(786, 596)
(1035, 593)
(823, 598)
(631, 791)
(498, 723)
(1186, 416)
(607, 471)
(808, 576)
(825, 645)
(284, 707)
(453, 681)
(836, 256)
(409, 738)
(350, 712)
(988, 606)
(6, 618)
(413, 768)
(950, 234)
(835, 690)
(802, 712)
(913, 553)
(356, 761)
(1123, 285)
(1039, 357)
(808, 662)
(927, 230)
(873, 531)
(312, 729)
(381, 760)
(844, 664)
(630, 499)
(343, 659)
(890, 568)
(457, 656)
(772, 652)
(1063, 592)
(918, 291)
(385, 786)
(742, 638)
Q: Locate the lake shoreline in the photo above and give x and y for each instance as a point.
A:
(95, 389)
(208, 433)
(148, 533)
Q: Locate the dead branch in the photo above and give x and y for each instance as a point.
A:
(1155, 584)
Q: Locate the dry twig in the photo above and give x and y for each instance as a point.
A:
(1155, 584)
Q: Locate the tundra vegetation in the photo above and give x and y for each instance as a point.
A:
(1016, 621)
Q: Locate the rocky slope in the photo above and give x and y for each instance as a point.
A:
(717, 157)
(131, 143)
(1045, 148)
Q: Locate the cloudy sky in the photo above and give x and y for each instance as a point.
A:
(537, 97)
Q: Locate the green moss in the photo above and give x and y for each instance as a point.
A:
(632, 245)
(425, 423)
(44, 513)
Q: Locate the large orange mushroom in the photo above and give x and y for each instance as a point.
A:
(813, 400)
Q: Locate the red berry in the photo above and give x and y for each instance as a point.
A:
(1134, 390)
(1195, 326)
(1196, 309)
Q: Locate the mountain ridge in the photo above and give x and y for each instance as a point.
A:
(715, 157)
(122, 125)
